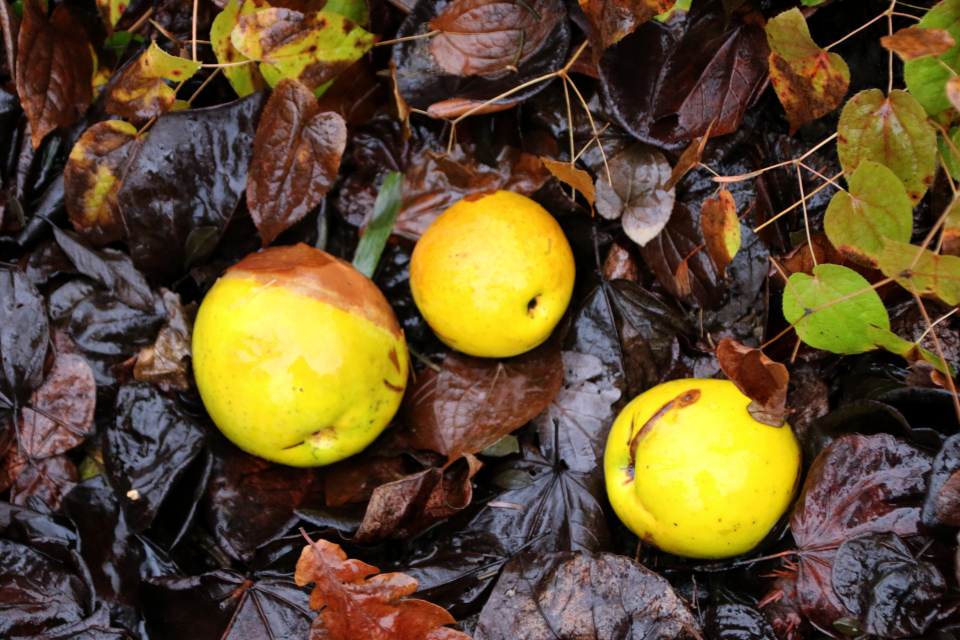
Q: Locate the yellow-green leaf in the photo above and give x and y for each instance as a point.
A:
(875, 208)
(926, 78)
(933, 275)
(312, 49)
(110, 12)
(892, 131)
(810, 81)
(140, 91)
(910, 351)
(721, 228)
(244, 78)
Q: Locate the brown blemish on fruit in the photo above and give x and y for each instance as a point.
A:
(395, 360)
(473, 197)
(682, 401)
(392, 387)
(318, 275)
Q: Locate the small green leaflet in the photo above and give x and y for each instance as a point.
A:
(932, 275)
(909, 351)
(840, 327)
(875, 208)
(926, 78)
(374, 237)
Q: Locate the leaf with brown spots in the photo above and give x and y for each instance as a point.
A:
(353, 605)
(810, 81)
(950, 234)
(110, 12)
(54, 68)
(313, 48)
(296, 157)
(491, 38)
(91, 180)
(611, 20)
(953, 91)
(244, 78)
(759, 378)
(911, 43)
(569, 174)
(473, 402)
(721, 229)
(139, 91)
(166, 363)
(436, 181)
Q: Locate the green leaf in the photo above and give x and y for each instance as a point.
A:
(951, 161)
(892, 131)
(246, 78)
(926, 78)
(876, 207)
(809, 80)
(840, 327)
(355, 10)
(374, 237)
(314, 49)
(932, 275)
(909, 351)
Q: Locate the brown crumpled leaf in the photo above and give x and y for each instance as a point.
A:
(58, 418)
(296, 157)
(54, 68)
(9, 32)
(407, 506)
(638, 194)
(689, 159)
(473, 402)
(165, 364)
(491, 38)
(567, 173)
(354, 605)
(611, 20)
(583, 595)
(911, 43)
(140, 90)
(437, 181)
(759, 378)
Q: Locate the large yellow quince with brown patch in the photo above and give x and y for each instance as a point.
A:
(298, 357)
(690, 471)
(493, 275)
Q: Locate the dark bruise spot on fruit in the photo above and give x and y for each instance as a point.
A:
(532, 305)
(395, 359)
(682, 401)
(392, 387)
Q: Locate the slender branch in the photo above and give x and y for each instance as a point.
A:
(855, 31)
(408, 38)
(796, 204)
(806, 220)
(196, 4)
(204, 84)
(936, 342)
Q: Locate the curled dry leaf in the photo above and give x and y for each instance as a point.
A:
(296, 156)
(759, 378)
(611, 20)
(434, 183)
(583, 595)
(721, 229)
(166, 364)
(491, 38)
(809, 80)
(313, 48)
(638, 193)
(91, 180)
(857, 485)
(567, 173)
(139, 90)
(353, 605)
(473, 402)
(54, 68)
(911, 43)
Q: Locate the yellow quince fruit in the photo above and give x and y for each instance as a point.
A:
(690, 471)
(493, 275)
(298, 357)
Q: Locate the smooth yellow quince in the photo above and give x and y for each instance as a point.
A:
(298, 357)
(689, 470)
(493, 275)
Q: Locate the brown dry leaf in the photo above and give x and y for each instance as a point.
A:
(139, 91)
(354, 605)
(491, 38)
(911, 43)
(759, 378)
(403, 109)
(296, 157)
(611, 20)
(54, 68)
(682, 277)
(620, 264)
(9, 30)
(473, 402)
(690, 159)
(569, 174)
(721, 229)
(437, 181)
(91, 180)
(166, 364)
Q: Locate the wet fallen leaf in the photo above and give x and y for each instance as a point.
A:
(352, 604)
(611, 20)
(930, 274)
(757, 377)
(810, 81)
(296, 157)
(721, 229)
(166, 363)
(244, 78)
(24, 336)
(139, 90)
(734, 621)
(571, 175)
(912, 43)
(637, 195)
(54, 68)
(926, 78)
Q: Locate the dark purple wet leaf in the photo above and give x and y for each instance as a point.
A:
(190, 172)
(52, 534)
(147, 449)
(736, 622)
(94, 627)
(24, 336)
